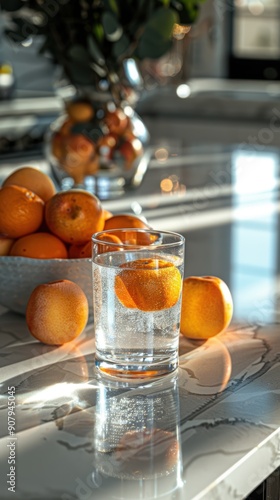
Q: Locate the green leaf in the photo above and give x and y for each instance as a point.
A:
(187, 10)
(152, 49)
(78, 53)
(162, 22)
(156, 39)
(121, 46)
(112, 5)
(98, 32)
(95, 52)
(112, 29)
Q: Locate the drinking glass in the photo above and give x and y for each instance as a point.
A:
(137, 438)
(137, 285)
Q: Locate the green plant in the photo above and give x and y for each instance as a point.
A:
(92, 39)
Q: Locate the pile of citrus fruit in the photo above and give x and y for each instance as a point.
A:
(38, 222)
(84, 143)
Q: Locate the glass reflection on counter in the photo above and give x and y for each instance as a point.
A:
(137, 437)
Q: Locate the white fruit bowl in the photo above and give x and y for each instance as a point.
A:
(20, 275)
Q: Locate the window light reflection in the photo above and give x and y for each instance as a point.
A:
(254, 265)
(57, 391)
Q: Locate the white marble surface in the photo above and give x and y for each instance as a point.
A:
(222, 408)
(219, 415)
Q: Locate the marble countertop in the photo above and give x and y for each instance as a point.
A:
(209, 431)
(215, 420)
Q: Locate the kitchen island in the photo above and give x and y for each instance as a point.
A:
(211, 430)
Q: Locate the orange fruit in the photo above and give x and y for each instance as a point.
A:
(80, 251)
(79, 148)
(57, 146)
(78, 152)
(74, 251)
(148, 284)
(66, 126)
(107, 214)
(74, 216)
(21, 211)
(33, 179)
(5, 245)
(92, 166)
(80, 111)
(85, 251)
(207, 307)
(57, 312)
(39, 246)
(130, 149)
(108, 238)
(116, 121)
(122, 221)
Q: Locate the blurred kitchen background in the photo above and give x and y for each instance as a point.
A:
(215, 126)
(224, 74)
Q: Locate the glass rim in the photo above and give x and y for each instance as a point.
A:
(180, 238)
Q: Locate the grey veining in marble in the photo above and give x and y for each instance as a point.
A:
(211, 430)
(219, 415)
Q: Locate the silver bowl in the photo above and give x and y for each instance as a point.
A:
(20, 275)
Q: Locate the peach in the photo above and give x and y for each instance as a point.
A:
(207, 307)
(57, 312)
